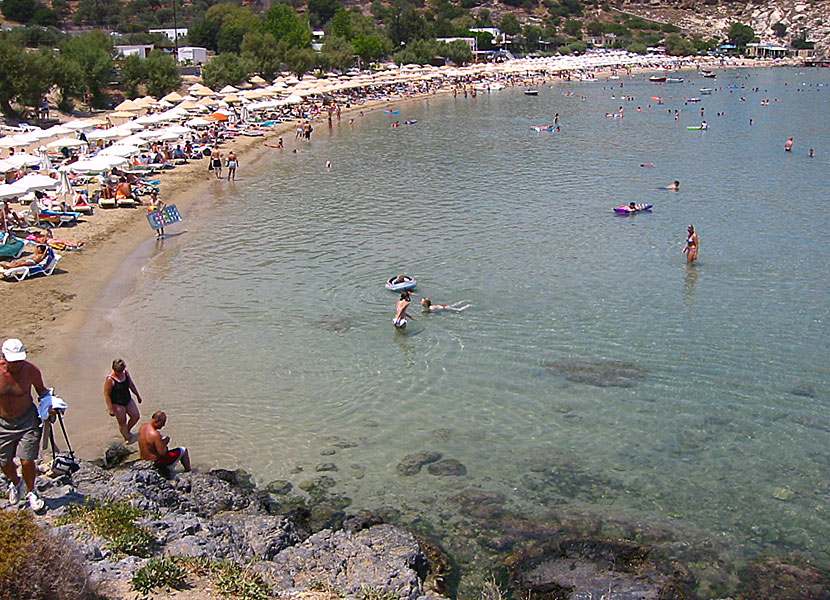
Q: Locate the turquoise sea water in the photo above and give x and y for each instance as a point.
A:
(594, 370)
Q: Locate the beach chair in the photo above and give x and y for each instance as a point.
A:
(126, 202)
(10, 246)
(44, 267)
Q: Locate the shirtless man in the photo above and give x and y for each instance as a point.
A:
(673, 186)
(401, 315)
(788, 145)
(124, 189)
(152, 446)
(28, 261)
(20, 425)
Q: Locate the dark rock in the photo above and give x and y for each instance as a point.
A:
(775, 579)
(279, 486)
(412, 463)
(318, 486)
(577, 569)
(326, 516)
(296, 469)
(339, 442)
(325, 467)
(328, 452)
(382, 558)
(601, 373)
(237, 477)
(805, 390)
(447, 467)
(364, 519)
(115, 455)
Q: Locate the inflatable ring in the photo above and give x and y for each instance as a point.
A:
(407, 284)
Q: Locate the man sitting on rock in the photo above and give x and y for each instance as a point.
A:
(152, 446)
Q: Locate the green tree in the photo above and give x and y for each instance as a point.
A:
(286, 25)
(225, 69)
(341, 24)
(162, 74)
(483, 18)
(92, 52)
(484, 40)
(779, 29)
(321, 11)
(133, 74)
(457, 51)
(594, 28)
(24, 78)
(262, 52)
(338, 53)
(637, 47)
(99, 13)
(510, 24)
(678, 46)
(68, 78)
(370, 48)
(740, 34)
(19, 10)
(300, 60)
(573, 27)
(204, 33)
(531, 34)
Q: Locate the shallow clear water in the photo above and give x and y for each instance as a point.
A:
(265, 331)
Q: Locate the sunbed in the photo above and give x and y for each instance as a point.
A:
(44, 267)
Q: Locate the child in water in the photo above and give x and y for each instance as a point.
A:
(430, 307)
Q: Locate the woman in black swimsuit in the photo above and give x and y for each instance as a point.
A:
(117, 388)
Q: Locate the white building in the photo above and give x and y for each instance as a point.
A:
(172, 34)
(140, 50)
(194, 54)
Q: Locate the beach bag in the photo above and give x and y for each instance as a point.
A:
(63, 463)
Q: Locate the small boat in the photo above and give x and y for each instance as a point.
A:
(706, 91)
(531, 92)
(657, 78)
(408, 283)
(627, 210)
(674, 80)
(708, 74)
(613, 77)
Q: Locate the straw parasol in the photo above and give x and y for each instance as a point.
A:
(203, 92)
(128, 105)
(257, 80)
(121, 114)
(173, 98)
(232, 98)
(207, 102)
(228, 89)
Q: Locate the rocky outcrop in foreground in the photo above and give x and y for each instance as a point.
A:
(219, 517)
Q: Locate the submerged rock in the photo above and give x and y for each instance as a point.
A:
(447, 467)
(412, 463)
(582, 569)
(775, 579)
(601, 373)
(279, 486)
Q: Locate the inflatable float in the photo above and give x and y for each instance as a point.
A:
(543, 127)
(627, 210)
(698, 127)
(408, 283)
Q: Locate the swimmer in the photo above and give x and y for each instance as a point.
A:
(328, 165)
(788, 145)
(691, 245)
(673, 186)
(401, 315)
(430, 307)
(811, 153)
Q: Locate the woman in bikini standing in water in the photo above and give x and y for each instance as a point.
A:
(121, 405)
(691, 245)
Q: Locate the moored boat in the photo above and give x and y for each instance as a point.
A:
(657, 78)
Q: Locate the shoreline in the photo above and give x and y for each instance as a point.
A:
(65, 320)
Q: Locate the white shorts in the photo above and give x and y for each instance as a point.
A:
(399, 323)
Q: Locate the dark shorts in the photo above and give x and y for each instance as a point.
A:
(20, 436)
(171, 457)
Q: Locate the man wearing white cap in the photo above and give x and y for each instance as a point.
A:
(20, 425)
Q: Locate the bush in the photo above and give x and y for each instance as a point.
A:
(36, 565)
(158, 573)
(115, 522)
(231, 579)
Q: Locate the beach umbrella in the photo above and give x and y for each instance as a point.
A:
(64, 184)
(204, 91)
(257, 80)
(188, 105)
(294, 99)
(178, 129)
(10, 141)
(193, 87)
(67, 142)
(121, 114)
(103, 134)
(228, 89)
(128, 105)
(131, 126)
(57, 130)
(35, 181)
(10, 190)
(120, 150)
(232, 99)
(219, 116)
(22, 159)
(198, 122)
(76, 125)
(173, 98)
(146, 101)
(96, 122)
(132, 140)
(45, 164)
